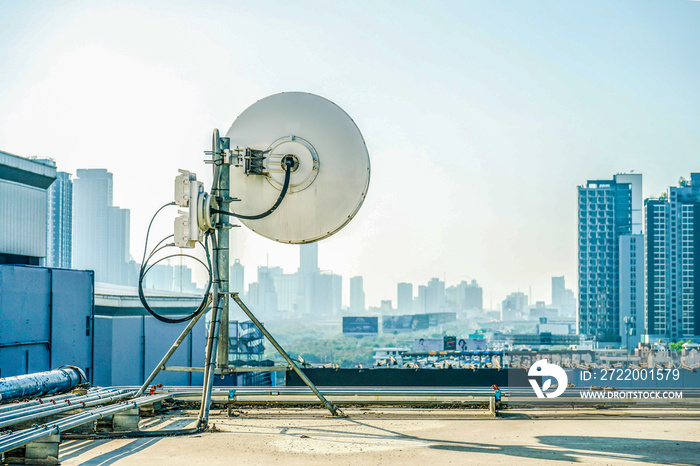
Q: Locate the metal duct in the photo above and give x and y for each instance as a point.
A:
(41, 383)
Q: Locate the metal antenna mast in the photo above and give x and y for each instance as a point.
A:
(221, 256)
(284, 144)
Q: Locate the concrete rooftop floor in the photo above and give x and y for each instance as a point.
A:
(380, 436)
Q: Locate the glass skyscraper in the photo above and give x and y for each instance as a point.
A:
(611, 272)
(673, 268)
(59, 225)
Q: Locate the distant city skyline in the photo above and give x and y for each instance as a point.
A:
(481, 118)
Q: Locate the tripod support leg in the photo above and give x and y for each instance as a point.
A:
(334, 410)
(210, 362)
(170, 352)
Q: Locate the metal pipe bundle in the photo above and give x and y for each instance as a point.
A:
(19, 438)
(82, 402)
(49, 399)
(41, 383)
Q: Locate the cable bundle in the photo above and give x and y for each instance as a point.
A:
(145, 267)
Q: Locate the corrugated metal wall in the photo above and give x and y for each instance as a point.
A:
(45, 319)
(22, 219)
(127, 349)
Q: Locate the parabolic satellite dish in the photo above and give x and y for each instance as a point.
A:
(329, 178)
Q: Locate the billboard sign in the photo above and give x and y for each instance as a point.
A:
(395, 324)
(471, 344)
(360, 325)
(420, 321)
(428, 345)
(439, 318)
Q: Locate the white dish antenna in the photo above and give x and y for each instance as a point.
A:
(330, 172)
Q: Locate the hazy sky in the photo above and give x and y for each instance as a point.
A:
(481, 118)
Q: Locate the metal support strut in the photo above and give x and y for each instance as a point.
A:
(333, 409)
(170, 352)
(210, 360)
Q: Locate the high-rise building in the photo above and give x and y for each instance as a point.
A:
(435, 296)
(404, 298)
(254, 294)
(420, 302)
(473, 297)
(558, 289)
(514, 305)
(237, 277)
(465, 296)
(308, 257)
(267, 296)
(287, 291)
(182, 279)
(631, 290)
(307, 278)
(357, 295)
(673, 268)
(100, 230)
(59, 227)
(118, 254)
(330, 294)
(563, 298)
(609, 210)
(160, 277)
(59, 220)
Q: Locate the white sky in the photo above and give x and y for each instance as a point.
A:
(481, 118)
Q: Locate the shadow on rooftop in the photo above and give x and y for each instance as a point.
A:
(639, 449)
(568, 448)
(111, 456)
(564, 448)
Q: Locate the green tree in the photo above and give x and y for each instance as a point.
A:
(342, 350)
(677, 346)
